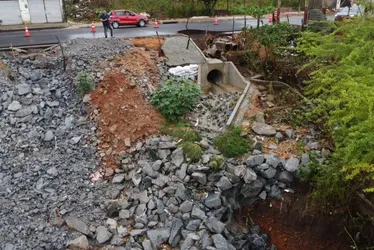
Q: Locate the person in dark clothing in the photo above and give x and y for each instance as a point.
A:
(105, 19)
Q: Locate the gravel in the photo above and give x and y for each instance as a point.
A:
(43, 175)
(51, 189)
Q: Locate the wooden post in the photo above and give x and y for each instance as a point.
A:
(233, 27)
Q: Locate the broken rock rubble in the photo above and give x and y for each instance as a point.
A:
(156, 196)
(45, 160)
(189, 210)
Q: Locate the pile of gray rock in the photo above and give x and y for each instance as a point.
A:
(168, 200)
(213, 111)
(156, 196)
(95, 56)
(45, 161)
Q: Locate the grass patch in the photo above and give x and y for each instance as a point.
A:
(181, 131)
(231, 144)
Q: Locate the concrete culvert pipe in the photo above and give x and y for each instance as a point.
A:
(215, 76)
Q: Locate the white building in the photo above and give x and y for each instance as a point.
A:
(31, 11)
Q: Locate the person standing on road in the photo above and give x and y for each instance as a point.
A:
(105, 20)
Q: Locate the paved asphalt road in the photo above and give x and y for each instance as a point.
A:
(18, 39)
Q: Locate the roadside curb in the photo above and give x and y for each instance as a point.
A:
(165, 22)
(32, 28)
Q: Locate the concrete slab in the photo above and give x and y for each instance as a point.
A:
(175, 49)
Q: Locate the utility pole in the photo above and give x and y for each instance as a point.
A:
(306, 12)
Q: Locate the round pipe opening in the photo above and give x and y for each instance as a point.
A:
(215, 76)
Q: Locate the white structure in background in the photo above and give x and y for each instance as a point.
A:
(189, 71)
(338, 2)
(30, 11)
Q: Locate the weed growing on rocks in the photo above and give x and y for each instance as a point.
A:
(189, 138)
(176, 97)
(231, 144)
(181, 131)
(192, 151)
(85, 82)
(216, 163)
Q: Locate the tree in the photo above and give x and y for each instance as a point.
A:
(255, 11)
(209, 5)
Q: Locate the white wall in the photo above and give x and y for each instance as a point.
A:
(25, 14)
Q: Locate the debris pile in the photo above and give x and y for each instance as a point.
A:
(220, 47)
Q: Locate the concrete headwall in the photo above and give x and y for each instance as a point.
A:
(230, 74)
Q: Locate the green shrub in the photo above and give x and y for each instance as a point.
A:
(231, 144)
(266, 49)
(330, 188)
(85, 83)
(176, 97)
(216, 163)
(342, 89)
(192, 151)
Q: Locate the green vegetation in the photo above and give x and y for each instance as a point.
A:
(170, 8)
(183, 132)
(231, 144)
(192, 150)
(343, 92)
(267, 49)
(176, 97)
(189, 138)
(255, 11)
(331, 189)
(216, 162)
(85, 83)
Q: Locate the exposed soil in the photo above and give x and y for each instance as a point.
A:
(148, 43)
(291, 227)
(139, 64)
(123, 113)
(120, 104)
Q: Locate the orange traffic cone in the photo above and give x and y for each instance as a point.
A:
(156, 24)
(93, 28)
(216, 20)
(270, 18)
(27, 33)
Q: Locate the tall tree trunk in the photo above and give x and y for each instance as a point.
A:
(209, 6)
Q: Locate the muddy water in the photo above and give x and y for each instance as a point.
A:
(216, 89)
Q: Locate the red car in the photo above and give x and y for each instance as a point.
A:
(126, 17)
